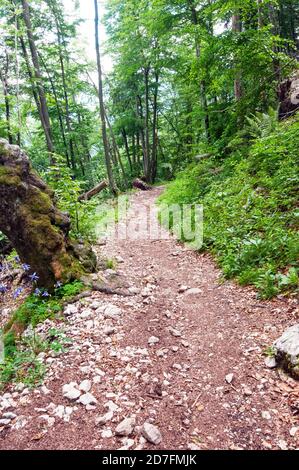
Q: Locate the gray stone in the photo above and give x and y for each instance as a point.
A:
(85, 386)
(70, 391)
(126, 427)
(151, 433)
(102, 420)
(87, 399)
(270, 362)
(174, 332)
(287, 350)
(229, 378)
(194, 291)
(111, 311)
(4, 422)
(153, 340)
(70, 310)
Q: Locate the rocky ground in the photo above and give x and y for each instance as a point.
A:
(176, 363)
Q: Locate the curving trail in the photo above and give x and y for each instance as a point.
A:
(179, 383)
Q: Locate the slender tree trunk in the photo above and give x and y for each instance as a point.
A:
(61, 43)
(5, 86)
(153, 166)
(101, 102)
(118, 159)
(147, 156)
(202, 86)
(59, 113)
(39, 81)
(260, 14)
(237, 28)
(125, 138)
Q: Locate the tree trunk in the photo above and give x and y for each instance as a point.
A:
(101, 102)
(147, 155)
(154, 158)
(37, 229)
(202, 86)
(260, 14)
(125, 139)
(237, 28)
(4, 80)
(94, 191)
(39, 81)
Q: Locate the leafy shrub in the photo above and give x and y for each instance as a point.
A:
(250, 209)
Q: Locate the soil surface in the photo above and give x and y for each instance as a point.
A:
(182, 350)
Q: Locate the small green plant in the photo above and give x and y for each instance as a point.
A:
(22, 363)
(269, 352)
(110, 264)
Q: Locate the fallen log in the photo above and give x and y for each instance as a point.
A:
(94, 191)
(139, 184)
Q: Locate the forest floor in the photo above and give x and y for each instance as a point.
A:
(185, 352)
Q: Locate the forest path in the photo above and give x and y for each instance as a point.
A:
(179, 383)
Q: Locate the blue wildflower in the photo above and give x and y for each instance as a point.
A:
(34, 277)
(58, 285)
(45, 294)
(37, 292)
(26, 267)
(3, 289)
(17, 259)
(17, 292)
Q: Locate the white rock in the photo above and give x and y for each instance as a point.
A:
(107, 434)
(4, 422)
(70, 391)
(110, 330)
(87, 399)
(287, 349)
(153, 340)
(270, 362)
(59, 411)
(126, 427)
(174, 332)
(151, 433)
(85, 386)
(112, 311)
(229, 378)
(111, 405)
(101, 420)
(9, 416)
(194, 291)
(293, 431)
(95, 305)
(266, 415)
(70, 310)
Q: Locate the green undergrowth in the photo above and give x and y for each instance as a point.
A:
(21, 363)
(251, 209)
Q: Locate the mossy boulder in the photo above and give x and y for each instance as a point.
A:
(286, 350)
(37, 229)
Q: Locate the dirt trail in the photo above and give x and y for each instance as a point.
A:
(179, 383)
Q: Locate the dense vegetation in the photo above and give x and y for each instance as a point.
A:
(250, 204)
(189, 78)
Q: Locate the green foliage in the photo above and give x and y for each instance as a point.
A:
(250, 210)
(22, 363)
(37, 308)
(68, 189)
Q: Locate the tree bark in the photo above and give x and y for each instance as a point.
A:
(101, 102)
(94, 191)
(202, 86)
(237, 28)
(37, 229)
(5, 86)
(39, 81)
